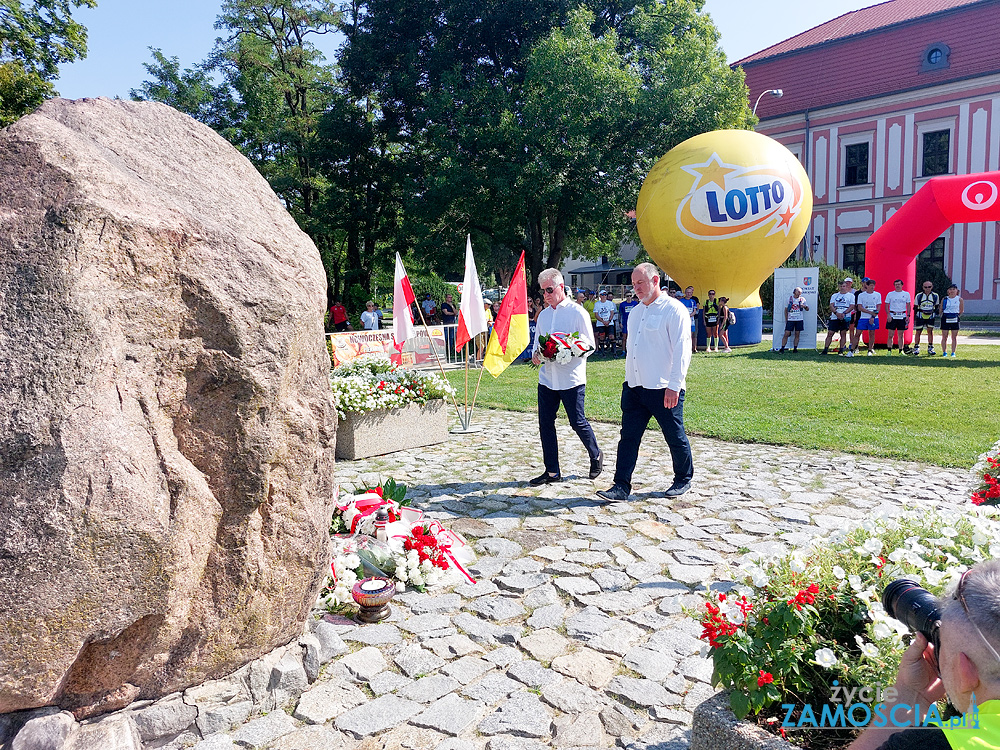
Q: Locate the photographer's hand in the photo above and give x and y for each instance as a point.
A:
(917, 682)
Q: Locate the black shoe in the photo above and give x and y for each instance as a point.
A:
(782, 350)
(545, 478)
(825, 351)
(597, 465)
(615, 494)
(677, 488)
(795, 350)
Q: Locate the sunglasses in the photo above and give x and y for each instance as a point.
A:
(550, 289)
(960, 596)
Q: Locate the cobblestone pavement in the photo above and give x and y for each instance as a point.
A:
(574, 635)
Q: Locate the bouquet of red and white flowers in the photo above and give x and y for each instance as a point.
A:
(563, 347)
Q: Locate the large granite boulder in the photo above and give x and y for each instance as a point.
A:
(166, 428)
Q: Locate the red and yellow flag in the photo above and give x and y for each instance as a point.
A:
(510, 331)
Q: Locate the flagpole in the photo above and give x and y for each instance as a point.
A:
(476, 395)
(437, 359)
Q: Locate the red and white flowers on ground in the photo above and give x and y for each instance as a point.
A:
(793, 623)
(986, 475)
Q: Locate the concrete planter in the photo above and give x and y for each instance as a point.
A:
(715, 727)
(374, 433)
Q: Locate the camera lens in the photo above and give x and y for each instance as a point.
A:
(915, 607)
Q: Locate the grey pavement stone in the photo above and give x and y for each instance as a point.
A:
(523, 582)
(438, 603)
(617, 639)
(576, 586)
(507, 742)
(220, 717)
(483, 632)
(564, 568)
(376, 716)
(330, 642)
(531, 673)
(265, 730)
(480, 588)
(416, 660)
(468, 669)
(387, 682)
(452, 646)
(661, 586)
(310, 738)
(327, 700)
(588, 623)
(541, 597)
(588, 557)
(586, 665)
(621, 721)
(523, 715)
(696, 668)
(545, 645)
(217, 742)
(602, 533)
(499, 547)
(660, 737)
(642, 692)
(364, 664)
(618, 602)
(451, 715)
(643, 571)
(428, 623)
(569, 696)
(498, 608)
(112, 732)
(168, 716)
(551, 553)
(652, 665)
(522, 566)
(504, 656)
(379, 634)
(492, 688)
(455, 743)
(428, 689)
(611, 580)
(583, 730)
(547, 617)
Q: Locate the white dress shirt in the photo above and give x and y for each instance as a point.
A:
(566, 317)
(659, 345)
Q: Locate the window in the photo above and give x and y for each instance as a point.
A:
(934, 253)
(573, 281)
(935, 57)
(854, 258)
(856, 164)
(936, 152)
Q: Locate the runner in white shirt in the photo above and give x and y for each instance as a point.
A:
(869, 303)
(952, 308)
(841, 312)
(794, 319)
(604, 311)
(897, 303)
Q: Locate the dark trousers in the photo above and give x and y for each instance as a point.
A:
(548, 404)
(638, 405)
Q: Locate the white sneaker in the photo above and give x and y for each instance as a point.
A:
(871, 353)
(850, 353)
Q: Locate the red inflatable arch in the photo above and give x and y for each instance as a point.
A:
(891, 252)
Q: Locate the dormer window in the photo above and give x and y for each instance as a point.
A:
(935, 57)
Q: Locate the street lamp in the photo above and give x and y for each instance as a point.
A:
(776, 93)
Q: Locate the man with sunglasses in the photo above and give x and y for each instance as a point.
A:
(564, 383)
(965, 668)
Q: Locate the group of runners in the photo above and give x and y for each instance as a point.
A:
(855, 313)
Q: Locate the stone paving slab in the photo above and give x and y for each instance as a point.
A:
(573, 635)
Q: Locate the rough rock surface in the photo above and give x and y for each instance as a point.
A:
(166, 430)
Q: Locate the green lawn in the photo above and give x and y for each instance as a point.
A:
(927, 409)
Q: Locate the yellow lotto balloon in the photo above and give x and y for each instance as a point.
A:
(722, 210)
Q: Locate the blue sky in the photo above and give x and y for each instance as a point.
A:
(121, 31)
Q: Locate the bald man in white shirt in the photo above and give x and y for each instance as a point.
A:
(656, 365)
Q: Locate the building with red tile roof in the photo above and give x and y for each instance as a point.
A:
(876, 101)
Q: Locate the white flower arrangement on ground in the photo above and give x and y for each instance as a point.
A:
(374, 382)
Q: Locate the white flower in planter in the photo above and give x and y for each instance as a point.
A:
(825, 658)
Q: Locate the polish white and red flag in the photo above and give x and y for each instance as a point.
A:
(402, 298)
(471, 315)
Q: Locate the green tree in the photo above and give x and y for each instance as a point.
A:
(532, 123)
(36, 37)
